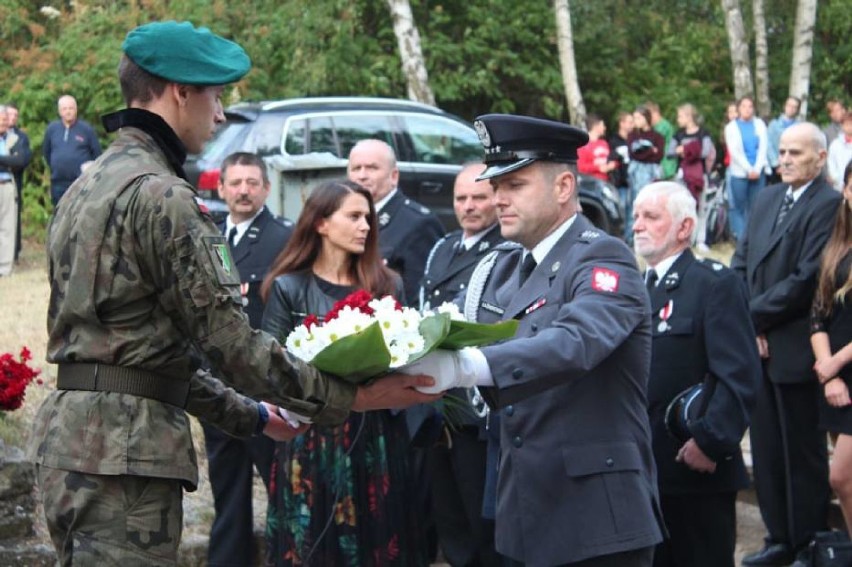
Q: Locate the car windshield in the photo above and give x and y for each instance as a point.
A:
(222, 141)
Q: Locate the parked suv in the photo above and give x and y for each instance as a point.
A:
(430, 145)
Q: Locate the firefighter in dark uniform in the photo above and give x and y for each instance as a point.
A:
(407, 229)
(255, 237)
(701, 335)
(458, 460)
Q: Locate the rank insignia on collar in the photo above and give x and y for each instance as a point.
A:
(671, 280)
(224, 257)
(483, 246)
(717, 266)
(384, 218)
(590, 234)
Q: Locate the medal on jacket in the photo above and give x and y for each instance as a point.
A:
(665, 314)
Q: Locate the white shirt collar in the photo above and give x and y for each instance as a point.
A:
(241, 227)
(797, 193)
(663, 266)
(385, 199)
(470, 241)
(543, 248)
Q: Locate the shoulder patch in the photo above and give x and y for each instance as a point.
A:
(605, 280)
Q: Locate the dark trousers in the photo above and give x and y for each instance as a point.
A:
(790, 462)
(231, 464)
(702, 530)
(458, 483)
(636, 558)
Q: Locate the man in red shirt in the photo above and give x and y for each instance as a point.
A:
(593, 158)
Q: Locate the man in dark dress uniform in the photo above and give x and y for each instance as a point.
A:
(407, 229)
(577, 482)
(702, 333)
(255, 238)
(778, 259)
(457, 461)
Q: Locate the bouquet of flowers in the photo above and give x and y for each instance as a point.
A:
(15, 376)
(362, 337)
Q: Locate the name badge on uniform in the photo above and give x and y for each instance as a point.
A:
(492, 308)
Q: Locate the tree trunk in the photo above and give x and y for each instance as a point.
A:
(803, 49)
(761, 65)
(565, 41)
(413, 65)
(739, 48)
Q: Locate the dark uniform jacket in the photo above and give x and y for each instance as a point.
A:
(407, 232)
(779, 266)
(141, 278)
(449, 266)
(702, 333)
(577, 477)
(254, 254)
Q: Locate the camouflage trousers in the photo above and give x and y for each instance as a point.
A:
(112, 520)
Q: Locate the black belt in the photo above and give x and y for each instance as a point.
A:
(98, 377)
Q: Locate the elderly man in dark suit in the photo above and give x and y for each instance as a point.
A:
(577, 482)
(702, 334)
(778, 258)
(255, 237)
(457, 460)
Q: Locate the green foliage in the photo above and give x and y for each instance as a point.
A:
(482, 56)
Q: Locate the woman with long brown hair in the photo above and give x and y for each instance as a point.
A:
(339, 495)
(831, 339)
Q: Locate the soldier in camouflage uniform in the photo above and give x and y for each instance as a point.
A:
(142, 290)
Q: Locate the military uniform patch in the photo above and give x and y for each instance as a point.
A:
(604, 280)
(220, 257)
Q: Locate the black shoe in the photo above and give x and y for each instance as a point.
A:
(777, 554)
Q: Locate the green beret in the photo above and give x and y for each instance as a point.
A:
(182, 53)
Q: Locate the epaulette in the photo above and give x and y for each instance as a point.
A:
(712, 265)
(283, 221)
(417, 207)
(590, 234)
(507, 245)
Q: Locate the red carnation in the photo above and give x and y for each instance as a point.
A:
(310, 321)
(357, 300)
(15, 376)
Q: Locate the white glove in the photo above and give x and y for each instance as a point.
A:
(449, 368)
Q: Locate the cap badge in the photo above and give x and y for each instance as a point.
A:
(482, 132)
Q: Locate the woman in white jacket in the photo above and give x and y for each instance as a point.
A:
(746, 140)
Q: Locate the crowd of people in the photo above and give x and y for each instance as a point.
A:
(605, 433)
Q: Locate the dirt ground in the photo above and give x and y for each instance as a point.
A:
(24, 297)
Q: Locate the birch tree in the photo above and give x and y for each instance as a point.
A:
(565, 41)
(761, 61)
(739, 48)
(410, 52)
(803, 49)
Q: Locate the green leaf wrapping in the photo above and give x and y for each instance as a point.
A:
(359, 357)
(356, 358)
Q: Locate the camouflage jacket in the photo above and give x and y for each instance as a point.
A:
(141, 277)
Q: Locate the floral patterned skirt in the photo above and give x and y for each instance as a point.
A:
(342, 496)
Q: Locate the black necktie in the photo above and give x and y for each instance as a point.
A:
(232, 236)
(785, 208)
(527, 267)
(651, 280)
